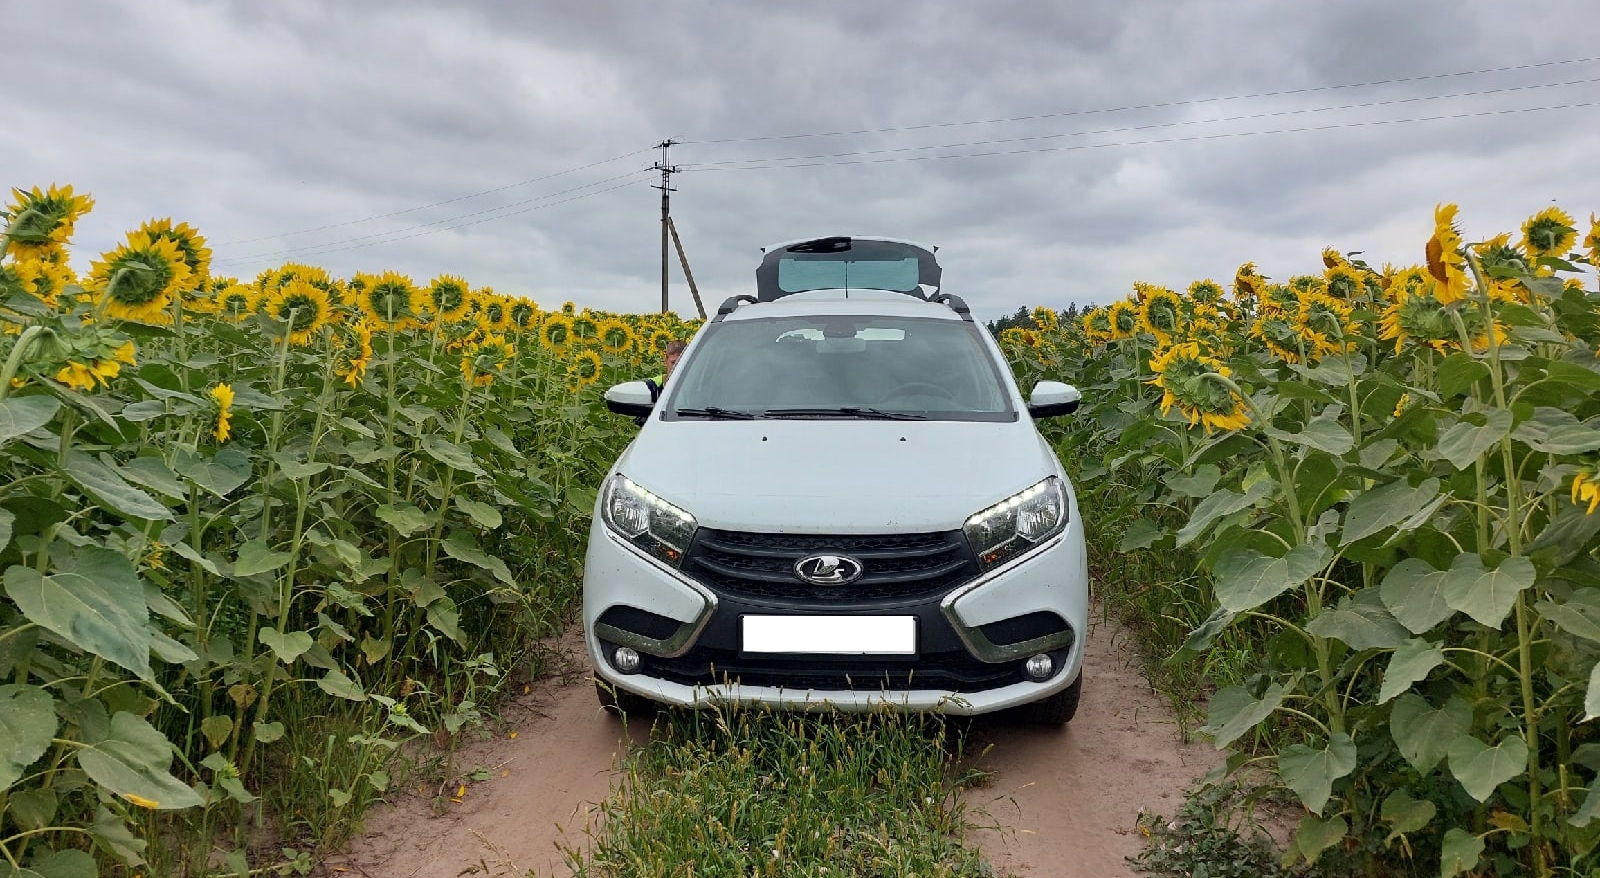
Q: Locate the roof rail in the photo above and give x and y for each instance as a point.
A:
(729, 305)
(956, 303)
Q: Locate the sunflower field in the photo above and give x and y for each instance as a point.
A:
(255, 535)
(1387, 479)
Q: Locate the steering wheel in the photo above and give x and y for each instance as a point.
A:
(914, 388)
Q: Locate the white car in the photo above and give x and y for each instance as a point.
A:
(840, 499)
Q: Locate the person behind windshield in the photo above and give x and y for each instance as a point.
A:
(669, 360)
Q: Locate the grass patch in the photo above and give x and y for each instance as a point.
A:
(747, 791)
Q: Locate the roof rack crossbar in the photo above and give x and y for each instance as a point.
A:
(729, 305)
(956, 303)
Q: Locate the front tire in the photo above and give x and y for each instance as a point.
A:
(1055, 710)
(622, 702)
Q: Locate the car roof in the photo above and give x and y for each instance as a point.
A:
(887, 238)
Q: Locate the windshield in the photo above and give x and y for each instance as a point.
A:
(840, 366)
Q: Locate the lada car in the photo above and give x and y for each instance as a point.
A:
(840, 499)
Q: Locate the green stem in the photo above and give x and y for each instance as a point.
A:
(14, 362)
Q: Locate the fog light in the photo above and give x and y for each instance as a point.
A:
(626, 660)
(1038, 668)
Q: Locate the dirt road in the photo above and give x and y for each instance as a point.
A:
(1064, 801)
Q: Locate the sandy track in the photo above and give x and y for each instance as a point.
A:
(1065, 800)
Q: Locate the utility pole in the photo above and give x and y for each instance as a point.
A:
(667, 170)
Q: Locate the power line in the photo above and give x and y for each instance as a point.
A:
(445, 221)
(378, 216)
(454, 227)
(1126, 129)
(1163, 140)
(1154, 106)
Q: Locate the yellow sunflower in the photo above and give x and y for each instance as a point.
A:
(524, 315)
(1205, 292)
(1326, 325)
(1415, 315)
(494, 312)
(1332, 258)
(303, 307)
(1045, 319)
(1097, 325)
(1344, 282)
(659, 339)
(235, 302)
(1279, 299)
(38, 223)
(615, 336)
(139, 279)
(556, 332)
(352, 351)
(1550, 232)
(1591, 241)
(585, 327)
(1445, 262)
(1585, 490)
(447, 298)
(389, 300)
(1280, 335)
(486, 358)
(1183, 374)
(1123, 318)
(222, 396)
(196, 254)
(1248, 283)
(1160, 313)
(40, 278)
(584, 369)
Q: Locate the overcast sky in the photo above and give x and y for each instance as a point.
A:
(508, 141)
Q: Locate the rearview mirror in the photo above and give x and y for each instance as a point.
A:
(1052, 398)
(630, 398)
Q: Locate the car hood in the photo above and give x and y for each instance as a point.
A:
(836, 476)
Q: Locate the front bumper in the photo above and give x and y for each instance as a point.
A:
(971, 640)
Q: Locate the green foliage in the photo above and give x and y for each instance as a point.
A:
(736, 791)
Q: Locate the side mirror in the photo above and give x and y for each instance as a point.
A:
(1052, 398)
(630, 398)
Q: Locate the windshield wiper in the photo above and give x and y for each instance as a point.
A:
(716, 413)
(845, 411)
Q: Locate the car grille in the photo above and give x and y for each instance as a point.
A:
(946, 671)
(761, 565)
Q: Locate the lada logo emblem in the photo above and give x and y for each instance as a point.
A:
(828, 569)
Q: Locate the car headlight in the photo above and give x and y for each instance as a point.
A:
(647, 521)
(1018, 523)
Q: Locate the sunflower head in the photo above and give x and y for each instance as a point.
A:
(1045, 319)
(1188, 380)
(1205, 292)
(39, 222)
(584, 369)
(222, 398)
(1097, 325)
(555, 333)
(1550, 232)
(447, 298)
(524, 314)
(1160, 313)
(352, 343)
(494, 312)
(1419, 318)
(1248, 284)
(140, 278)
(235, 302)
(1591, 241)
(1279, 333)
(196, 254)
(1123, 318)
(1445, 263)
(1326, 326)
(303, 307)
(1344, 282)
(615, 336)
(486, 358)
(585, 327)
(389, 300)
(1279, 299)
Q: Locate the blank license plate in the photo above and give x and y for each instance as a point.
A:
(831, 635)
